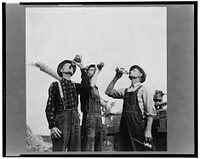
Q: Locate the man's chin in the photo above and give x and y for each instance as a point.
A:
(69, 73)
(131, 77)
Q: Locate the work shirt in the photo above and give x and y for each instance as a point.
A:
(145, 98)
(90, 100)
(71, 90)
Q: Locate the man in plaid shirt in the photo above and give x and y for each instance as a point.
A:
(61, 111)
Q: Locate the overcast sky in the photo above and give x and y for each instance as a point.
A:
(117, 36)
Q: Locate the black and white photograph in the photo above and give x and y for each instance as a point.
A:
(97, 79)
(131, 44)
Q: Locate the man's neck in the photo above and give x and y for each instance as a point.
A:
(67, 76)
(135, 81)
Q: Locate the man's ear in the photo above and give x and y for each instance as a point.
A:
(140, 74)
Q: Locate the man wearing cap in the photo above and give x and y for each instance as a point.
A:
(61, 109)
(138, 110)
(91, 103)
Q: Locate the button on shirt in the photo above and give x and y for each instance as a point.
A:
(145, 98)
(70, 96)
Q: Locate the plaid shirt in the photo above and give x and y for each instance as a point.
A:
(70, 91)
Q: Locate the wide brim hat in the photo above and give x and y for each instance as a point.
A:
(143, 78)
(61, 65)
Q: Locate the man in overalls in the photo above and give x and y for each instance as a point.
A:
(138, 110)
(61, 109)
(91, 103)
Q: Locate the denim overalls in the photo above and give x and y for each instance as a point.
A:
(132, 124)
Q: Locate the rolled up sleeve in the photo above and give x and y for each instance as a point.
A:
(117, 93)
(149, 107)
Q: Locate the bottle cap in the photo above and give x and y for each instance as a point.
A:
(100, 66)
(77, 58)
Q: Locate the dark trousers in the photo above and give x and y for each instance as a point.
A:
(131, 131)
(69, 124)
(92, 135)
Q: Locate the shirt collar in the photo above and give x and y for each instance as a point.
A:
(65, 80)
(135, 85)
